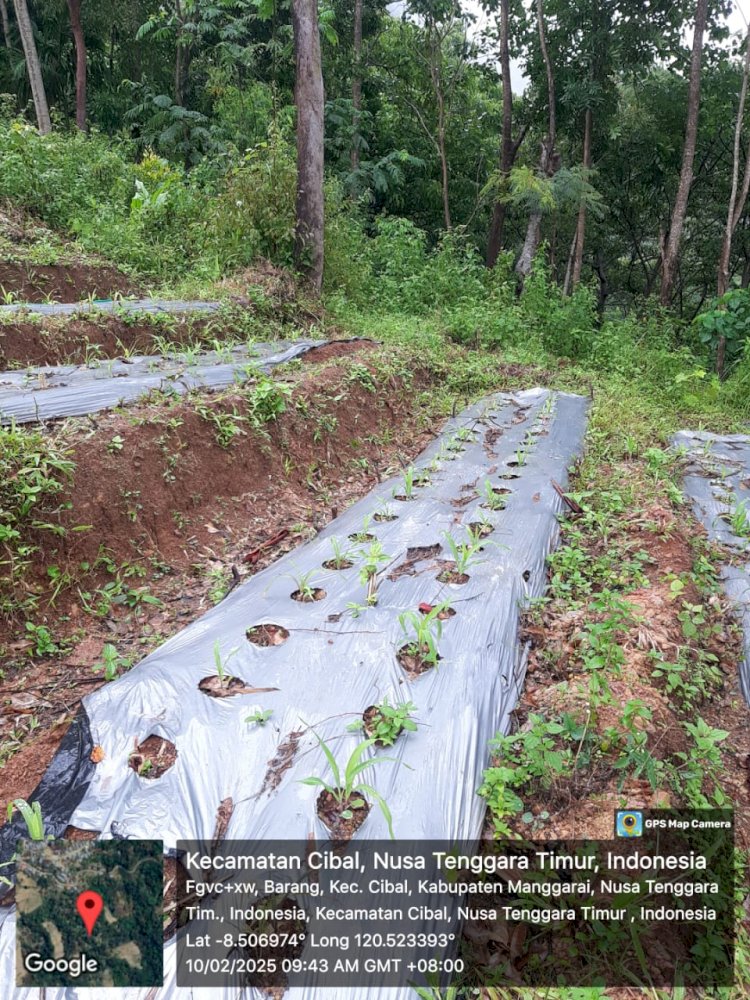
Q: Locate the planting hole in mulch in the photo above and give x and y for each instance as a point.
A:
(308, 596)
(526, 575)
(510, 475)
(362, 537)
(222, 687)
(371, 717)
(267, 634)
(415, 661)
(385, 517)
(153, 757)
(175, 888)
(338, 564)
(480, 528)
(443, 615)
(450, 575)
(332, 814)
(402, 497)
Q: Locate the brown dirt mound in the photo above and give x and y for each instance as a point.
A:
(169, 486)
(75, 341)
(62, 282)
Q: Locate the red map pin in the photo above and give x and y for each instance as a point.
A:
(89, 905)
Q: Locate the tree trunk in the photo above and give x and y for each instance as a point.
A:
(581, 227)
(6, 24)
(444, 166)
(74, 7)
(672, 246)
(507, 152)
(549, 162)
(736, 205)
(356, 84)
(309, 98)
(181, 67)
(33, 66)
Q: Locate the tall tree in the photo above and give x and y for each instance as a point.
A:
(581, 224)
(74, 8)
(507, 147)
(310, 100)
(432, 64)
(357, 85)
(671, 253)
(737, 197)
(33, 66)
(549, 162)
(6, 25)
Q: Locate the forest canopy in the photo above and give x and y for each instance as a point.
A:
(619, 165)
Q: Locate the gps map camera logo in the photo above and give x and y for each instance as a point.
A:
(629, 823)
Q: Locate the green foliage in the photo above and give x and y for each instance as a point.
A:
(34, 471)
(32, 817)
(348, 788)
(388, 722)
(423, 632)
(727, 318)
(111, 662)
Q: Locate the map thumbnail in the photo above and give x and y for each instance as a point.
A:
(125, 944)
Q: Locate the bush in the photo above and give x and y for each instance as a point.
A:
(254, 216)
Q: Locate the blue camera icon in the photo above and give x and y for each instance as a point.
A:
(629, 823)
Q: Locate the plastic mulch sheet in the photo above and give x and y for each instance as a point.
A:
(51, 393)
(109, 306)
(717, 480)
(340, 656)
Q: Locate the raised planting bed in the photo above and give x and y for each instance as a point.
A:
(717, 480)
(49, 393)
(281, 755)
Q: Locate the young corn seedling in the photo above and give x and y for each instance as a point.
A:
(409, 485)
(306, 590)
(32, 817)
(494, 496)
(363, 535)
(346, 795)
(372, 559)
(464, 554)
(385, 513)
(221, 664)
(740, 520)
(423, 632)
(341, 559)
